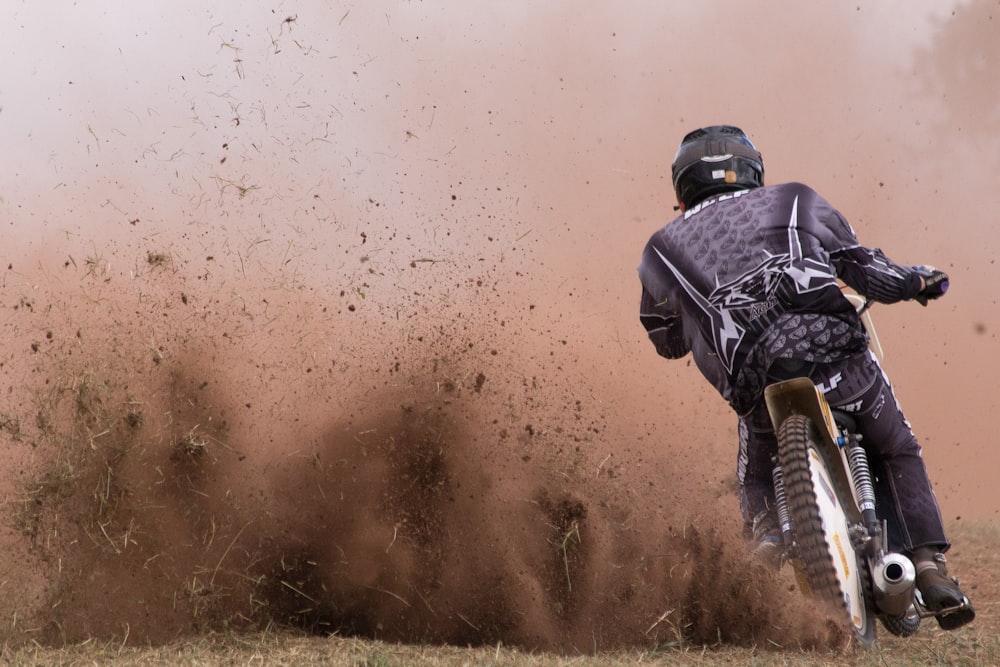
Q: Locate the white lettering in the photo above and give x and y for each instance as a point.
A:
(708, 202)
(761, 307)
(834, 381)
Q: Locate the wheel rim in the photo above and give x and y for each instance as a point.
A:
(838, 539)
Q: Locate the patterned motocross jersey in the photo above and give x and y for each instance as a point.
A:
(749, 277)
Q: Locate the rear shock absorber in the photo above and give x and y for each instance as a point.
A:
(781, 505)
(862, 475)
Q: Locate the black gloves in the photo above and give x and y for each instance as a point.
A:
(935, 284)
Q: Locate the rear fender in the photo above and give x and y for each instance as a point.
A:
(799, 396)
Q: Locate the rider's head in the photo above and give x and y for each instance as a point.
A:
(712, 160)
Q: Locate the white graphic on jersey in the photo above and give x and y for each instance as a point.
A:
(727, 333)
(755, 288)
(811, 269)
(751, 287)
(753, 291)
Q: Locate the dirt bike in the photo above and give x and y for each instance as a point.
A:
(832, 532)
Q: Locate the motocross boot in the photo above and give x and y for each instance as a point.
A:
(767, 545)
(939, 591)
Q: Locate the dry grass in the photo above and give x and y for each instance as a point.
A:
(978, 644)
(966, 647)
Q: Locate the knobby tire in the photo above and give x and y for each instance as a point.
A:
(796, 438)
(901, 626)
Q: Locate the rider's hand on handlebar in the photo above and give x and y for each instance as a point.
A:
(934, 283)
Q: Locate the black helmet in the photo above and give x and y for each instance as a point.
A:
(715, 159)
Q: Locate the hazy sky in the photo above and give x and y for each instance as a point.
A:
(102, 99)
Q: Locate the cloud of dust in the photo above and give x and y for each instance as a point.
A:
(193, 467)
(327, 317)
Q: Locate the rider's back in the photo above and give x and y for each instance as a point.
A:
(747, 266)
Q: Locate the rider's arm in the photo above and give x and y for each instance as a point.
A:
(663, 326)
(871, 273)
(866, 270)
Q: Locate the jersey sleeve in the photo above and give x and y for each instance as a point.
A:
(874, 275)
(663, 326)
(867, 270)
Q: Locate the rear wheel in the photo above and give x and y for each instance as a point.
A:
(832, 569)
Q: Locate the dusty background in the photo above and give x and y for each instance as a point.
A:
(325, 316)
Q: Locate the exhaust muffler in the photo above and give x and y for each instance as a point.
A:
(893, 579)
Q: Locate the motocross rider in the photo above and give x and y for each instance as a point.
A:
(746, 279)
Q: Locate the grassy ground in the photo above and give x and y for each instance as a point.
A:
(977, 644)
(966, 647)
